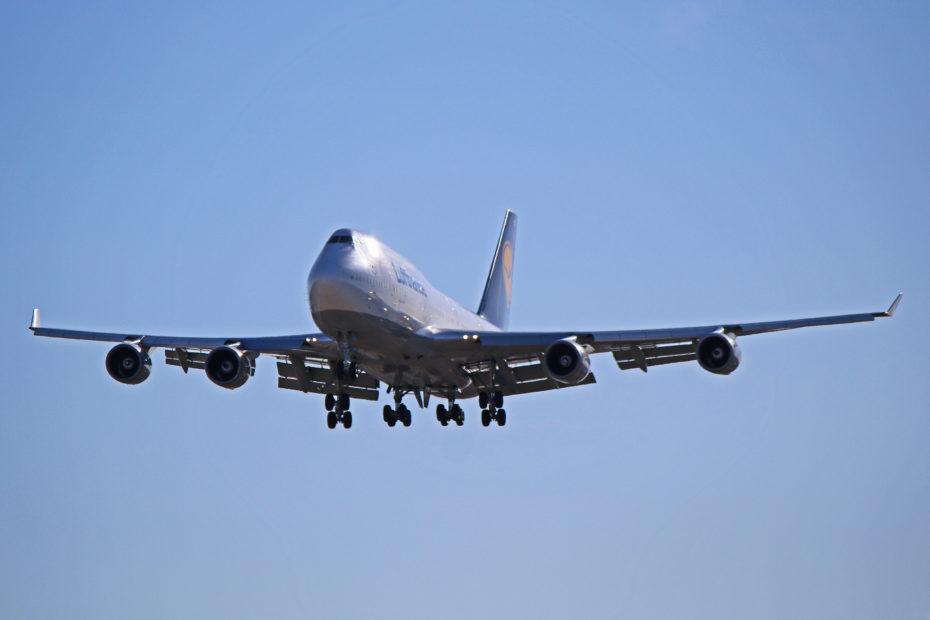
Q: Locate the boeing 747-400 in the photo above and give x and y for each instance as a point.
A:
(382, 322)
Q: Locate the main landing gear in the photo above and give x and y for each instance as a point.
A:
(338, 410)
(399, 413)
(492, 404)
(454, 413)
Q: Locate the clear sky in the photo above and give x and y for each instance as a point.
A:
(170, 168)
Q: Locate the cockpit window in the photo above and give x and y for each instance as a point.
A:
(340, 239)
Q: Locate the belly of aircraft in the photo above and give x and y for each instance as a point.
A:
(382, 338)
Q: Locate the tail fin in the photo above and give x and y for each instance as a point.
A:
(495, 303)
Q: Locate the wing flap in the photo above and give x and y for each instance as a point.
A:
(318, 374)
(651, 354)
(545, 384)
(186, 359)
(317, 388)
(521, 375)
(659, 361)
(296, 375)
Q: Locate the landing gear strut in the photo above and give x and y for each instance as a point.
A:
(337, 405)
(492, 408)
(346, 371)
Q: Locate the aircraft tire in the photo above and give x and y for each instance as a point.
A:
(347, 419)
(330, 402)
(501, 417)
(331, 419)
(485, 417)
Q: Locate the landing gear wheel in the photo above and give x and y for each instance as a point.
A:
(347, 419)
(498, 400)
(482, 400)
(458, 414)
(441, 414)
(331, 419)
(501, 417)
(344, 401)
(406, 419)
(330, 402)
(485, 417)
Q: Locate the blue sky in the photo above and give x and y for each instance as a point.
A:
(176, 169)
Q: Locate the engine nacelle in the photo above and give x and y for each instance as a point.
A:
(566, 362)
(228, 367)
(718, 353)
(129, 363)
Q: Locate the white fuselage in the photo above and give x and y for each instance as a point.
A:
(376, 304)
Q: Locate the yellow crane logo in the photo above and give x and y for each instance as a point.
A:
(507, 266)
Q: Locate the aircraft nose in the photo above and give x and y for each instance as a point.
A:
(330, 294)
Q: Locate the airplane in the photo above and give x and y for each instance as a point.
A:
(382, 322)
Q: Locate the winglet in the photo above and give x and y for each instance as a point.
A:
(35, 319)
(892, 307)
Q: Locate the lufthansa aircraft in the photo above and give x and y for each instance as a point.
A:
(382, 322)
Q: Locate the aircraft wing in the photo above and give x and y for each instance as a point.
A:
(310, 344)
(513, 361)
(303, 360)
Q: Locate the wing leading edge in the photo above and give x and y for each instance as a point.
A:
(263, 344)
(630, 348)
(512, 362)
(304, 361)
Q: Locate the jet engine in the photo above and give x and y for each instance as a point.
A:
(718, 353)
(566, 362)
(228, 367)
(129, 363)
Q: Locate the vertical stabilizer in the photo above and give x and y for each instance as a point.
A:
(495, 303)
